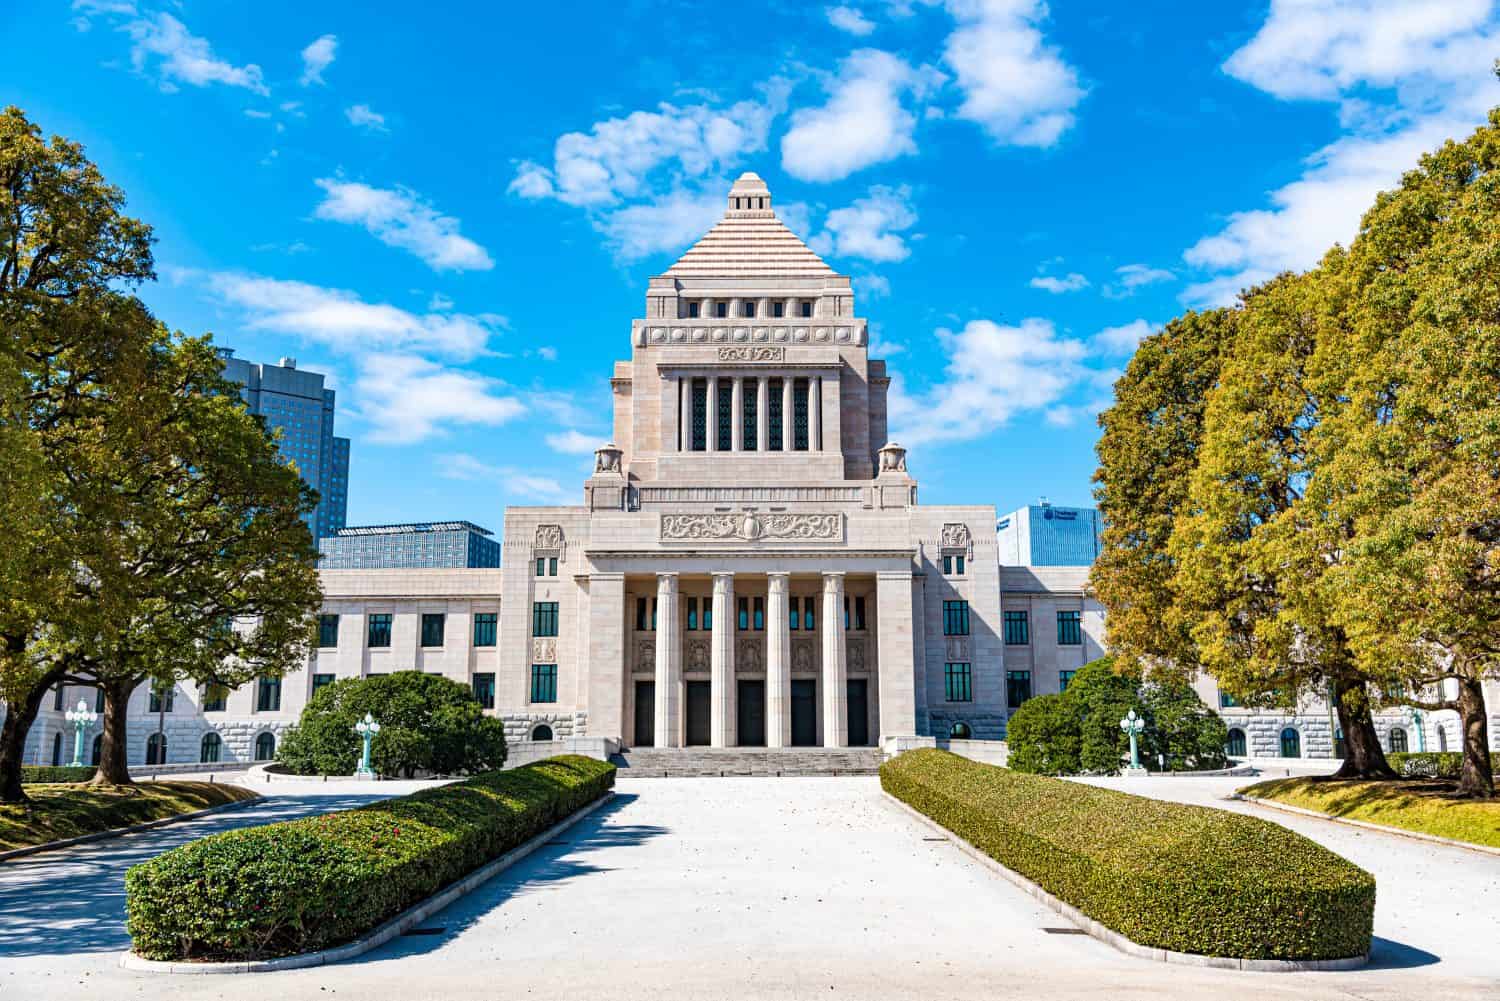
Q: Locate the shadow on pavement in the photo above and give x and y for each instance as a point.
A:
(73, 900)
(1388, 955)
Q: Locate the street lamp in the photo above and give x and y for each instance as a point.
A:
(81, 718)
(1134, 725)
(367, 728)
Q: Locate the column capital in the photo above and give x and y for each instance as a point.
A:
(833, 581)
(723, 581)
(778, 579)
(666, 582)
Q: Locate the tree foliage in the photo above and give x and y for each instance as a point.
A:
(428, 723)
(1043, 736)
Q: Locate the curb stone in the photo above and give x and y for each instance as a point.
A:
(119, 832)
(1302, 811)
(1113, 938)
(381, 934)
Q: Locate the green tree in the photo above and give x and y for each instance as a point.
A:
(1044, 736)
(428, 723)
(1102, 692)
(1181, 729)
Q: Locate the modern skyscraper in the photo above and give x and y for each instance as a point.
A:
(296, 403)
(419, 544)
(1040, 535)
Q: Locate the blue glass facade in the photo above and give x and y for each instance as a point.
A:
(1041, 535)
(423, 545)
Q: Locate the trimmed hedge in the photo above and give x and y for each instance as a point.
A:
(1186, 878)
(39, 774)
(305, 885)
(1433, 764)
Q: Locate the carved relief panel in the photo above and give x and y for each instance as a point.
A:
(544, 650)
(749, 657)
(804, 655)
(697, 655)
(645, 655)
(751, 527)
(854, 655)
(957, 648)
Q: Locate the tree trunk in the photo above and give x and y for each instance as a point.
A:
(1476, 779)
(113, 750)
(18, 719)
(1363, 756)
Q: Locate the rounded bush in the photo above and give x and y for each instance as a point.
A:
(1433, 764)
(41, 774)
(305, 885)
(1165, 875)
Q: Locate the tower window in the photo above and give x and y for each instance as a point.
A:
(747, 308)
(700, 415)
(778, 309)
(721, 310)
(774, 415)
(804, 308)
(692, 310)
(748, 418)
(726, 415)
(799, 415)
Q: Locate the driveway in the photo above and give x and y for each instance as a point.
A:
(713, 888)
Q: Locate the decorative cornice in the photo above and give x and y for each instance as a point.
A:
(752, 527)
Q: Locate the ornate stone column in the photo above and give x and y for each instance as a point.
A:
(835, 675)
(737, 416)
(788, 418)
(762, 418)
(778, 662)
(814, 414)
(721, 664)
(668, 663)
(711, 415)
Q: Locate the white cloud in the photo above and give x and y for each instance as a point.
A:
(611, 162)
(178, 55)
(439, 303)
(399, 217)
(573, 442)
(316, 58)
(850, 20)
(864, 122)
(1015, 85)
(1071, 282)
(462, 466)
(361, 116)
(1131, 277)
(341, 319)
(406, 398)
(547, 352)
(669, 222)
(869, 227)
(1122, 340)
(992, 373)
(871, 286)
(257, 113)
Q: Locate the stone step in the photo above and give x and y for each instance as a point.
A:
(704, 762)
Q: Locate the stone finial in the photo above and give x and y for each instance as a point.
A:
(607, 459)
(893, 458)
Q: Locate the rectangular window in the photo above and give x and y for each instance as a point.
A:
(321, 681)
(640, 615)
(378, 630)
(846, 613)
(653, 615)
(552, 566)
(708, 613)
(1064, 679)
(721, 310)
(749, 416)
(808, 621)
(1017, 629)
(799, 415)
(544, 682)
(541, 566)
(1227, 701)
(215, 695)
(544, 618)
(699, 430)
(955, 618)
(484, 690)
(804, 308)
(432, 628)
(859, 612)
(155, 701)
(268, 695)
(747, 308)
(692, 311)
(794, 614)
(759, 607)
(58, 699)
(958, 683)
(1017, 687)
(742, 613)
(1069, 628)
(725, 416)
(778, 309)
(958, 565)
(328, 631)
(692, 614)
(486, 625)
(99, 700)
(774, 399)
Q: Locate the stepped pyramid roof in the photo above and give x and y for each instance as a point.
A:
(750, 242)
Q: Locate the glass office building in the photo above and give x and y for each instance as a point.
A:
(421, 544)
(1041, 535)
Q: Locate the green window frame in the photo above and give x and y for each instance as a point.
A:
(328, 631)
(1017, 629)
(1070, 628)
(215, 695)
(758, 613)
(809, 614)
(378, 629)
(1227, 701)
(1234, 747)
(859, 612)
(1064, 679)
(742, 613)
(692, 614)
(484, 690)
(433, 626)
(541, 566)
(544, 618)
(955, 618)
(543, 682)
(794, 613)
(154, 702)
(321, 681)
(958, 682)
(552, 566)
(268, 695)
(486, 628)
(1017, 687)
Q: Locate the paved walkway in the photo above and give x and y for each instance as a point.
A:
(703, 888)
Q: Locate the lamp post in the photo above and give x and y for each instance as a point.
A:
(1133, 725)
(81, 718)
(367, 728)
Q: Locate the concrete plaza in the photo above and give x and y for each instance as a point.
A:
(764, 888)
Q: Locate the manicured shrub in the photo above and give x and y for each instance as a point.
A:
(1043, 736)
(1433, 764)
(1186, 878)
(310, 884)
(428, 723)
(1182, 730)
(39, 774)
(1102, 698)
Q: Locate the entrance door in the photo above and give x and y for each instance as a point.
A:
(804, 712)
(751, 703)
(859, 712)
(698, 714)
(645, 714)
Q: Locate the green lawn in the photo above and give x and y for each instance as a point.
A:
(67, 811)
(1427, 806)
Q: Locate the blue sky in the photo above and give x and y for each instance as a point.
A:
(454, 211)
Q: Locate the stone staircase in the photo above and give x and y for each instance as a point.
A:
(700, 762)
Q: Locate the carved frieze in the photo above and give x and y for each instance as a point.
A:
(645, 655)
(544, 650)
(548, 537)
(957, 649)
(697, 655)
(752, 353)
(854, 655)
(752, 527)
(748, 657)
(802, 656)
(955, 536)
